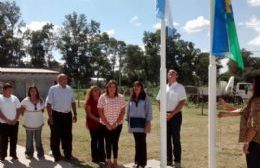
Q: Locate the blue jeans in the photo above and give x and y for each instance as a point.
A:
(38, 141)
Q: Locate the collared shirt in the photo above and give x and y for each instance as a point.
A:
(250, 118)
(112, 107)
(174, 94)
(60, 98)
(8, 107)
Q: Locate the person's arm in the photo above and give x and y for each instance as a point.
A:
(49, 110)
(74, 109)
(229, 114)
(3, 117)
(176, 110)
(226, 105)
(90, 114)
(103, 118)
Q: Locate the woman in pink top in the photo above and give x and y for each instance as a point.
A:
(111, 108)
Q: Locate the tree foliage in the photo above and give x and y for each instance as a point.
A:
(74, 43)
(11, 42)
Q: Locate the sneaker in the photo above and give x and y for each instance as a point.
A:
(50, 153)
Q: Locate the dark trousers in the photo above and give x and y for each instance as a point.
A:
(97, 145)
(62, 131)
(112, 138)
(173, 138)
(253, 157)
(8, 132)
(140, 149)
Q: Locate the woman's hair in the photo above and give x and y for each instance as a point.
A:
(256, 89)
(89, 96)
(37, 93)
(109, 83)
(142, 94)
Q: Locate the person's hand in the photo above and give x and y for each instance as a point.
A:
(245, 148)
(13, 122)
(221, 102)
(50, 121)
(109, 127)
(147, 128)
(169, 116)
(221, 114)
(74, 119)
(114, 125)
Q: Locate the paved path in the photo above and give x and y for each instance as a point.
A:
(22, 162)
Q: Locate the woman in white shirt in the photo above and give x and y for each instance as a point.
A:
(32, 109)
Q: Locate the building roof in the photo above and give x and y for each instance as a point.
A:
(27, 70)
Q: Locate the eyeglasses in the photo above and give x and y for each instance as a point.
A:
(35, 107)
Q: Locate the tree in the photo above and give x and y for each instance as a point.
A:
(152, 58)
(11, 42)
(134, 64)
(76, 37)
(40, 45)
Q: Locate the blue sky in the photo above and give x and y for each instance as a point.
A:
(128, 19)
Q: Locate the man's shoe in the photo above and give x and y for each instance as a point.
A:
(14, 157)
(28, 156)
(57, 159)
(177, 165)
(169, 163)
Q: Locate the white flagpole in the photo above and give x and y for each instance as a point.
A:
(212, 96)
(163, 95)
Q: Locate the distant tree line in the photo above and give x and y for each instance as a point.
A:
(87, 52)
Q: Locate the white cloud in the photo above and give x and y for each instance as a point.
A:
(158, 25)
(135, 20)
(253, 23)
(37, 25)
(196, 25)
(255, 41)
(110, 32)
(253, 2)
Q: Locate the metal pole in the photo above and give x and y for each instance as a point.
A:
(163, 96)
(212, 97)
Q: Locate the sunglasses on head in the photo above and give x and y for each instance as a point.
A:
(35, 107)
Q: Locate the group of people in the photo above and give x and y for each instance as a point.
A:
(105, 115)
(59, 103)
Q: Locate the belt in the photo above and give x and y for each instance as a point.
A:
(62, 112)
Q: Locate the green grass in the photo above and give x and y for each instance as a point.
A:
(194, 140)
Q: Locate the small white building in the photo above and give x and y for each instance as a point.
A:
(23, 78)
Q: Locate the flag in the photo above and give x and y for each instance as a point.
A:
(163, 11)
(225, 38)
(234, 53)
(219, 36)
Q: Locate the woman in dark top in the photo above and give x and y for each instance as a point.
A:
(96, 129)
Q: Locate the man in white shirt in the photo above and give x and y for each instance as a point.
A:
(9, 115)
(60, 103)
(175, 97)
